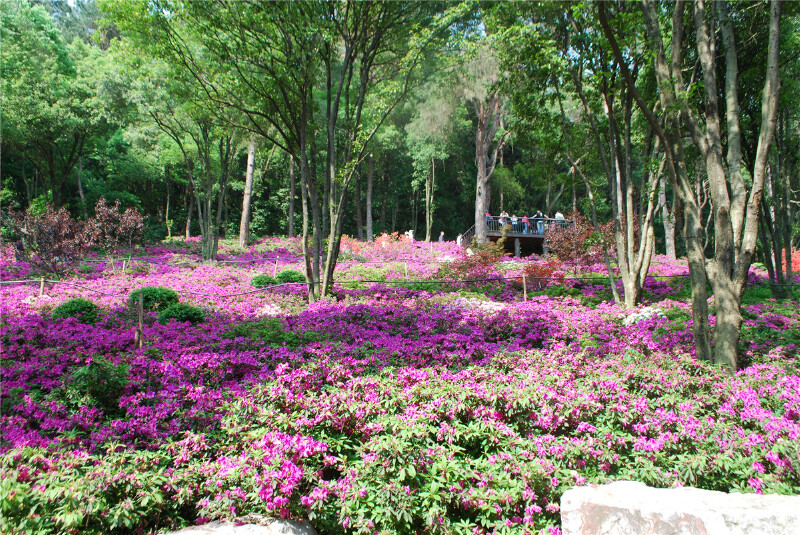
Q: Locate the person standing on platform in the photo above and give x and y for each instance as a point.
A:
(525, 224)
(503, 218)
(538, 218)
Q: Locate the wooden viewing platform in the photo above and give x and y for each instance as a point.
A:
(519, 240)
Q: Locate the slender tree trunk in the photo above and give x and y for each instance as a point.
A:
(28, 188)
(190, 197)
(292, 195)
(395, 204)
(767, 246)
(786, 209)
(166, 216)
(429, 185)
(414, 214)
(244, 225)
(667, 218)
(359, 215)
(80, 187)
(369, 198)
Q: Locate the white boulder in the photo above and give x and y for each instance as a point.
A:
(632, 508)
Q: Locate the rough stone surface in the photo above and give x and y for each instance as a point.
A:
(632, 508)
(250, 525)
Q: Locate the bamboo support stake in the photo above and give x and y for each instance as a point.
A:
(524, 288)
(405, 264)
(41, 287)
(138, 338)
(275, 269)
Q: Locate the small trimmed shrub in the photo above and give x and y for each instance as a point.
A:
(153, 298)
(83, 309)
(181, 312)
(262, 281)
(272, 332)
(103, 382)
(290, 275)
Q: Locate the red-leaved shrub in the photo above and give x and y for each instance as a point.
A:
(50, 242)
(539, 275)
(111, 229)
(579, 243)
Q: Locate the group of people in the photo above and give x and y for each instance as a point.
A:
(523, 224)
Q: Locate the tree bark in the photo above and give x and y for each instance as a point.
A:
(190, 197)
(359, 215)
(489, 114)
(244, 225)
(429, 187)
(369, 198)
(727, 269)
(292, 195)
(80, 187)
(667, 217)
(669, 78)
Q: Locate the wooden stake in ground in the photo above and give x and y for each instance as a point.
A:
(275, 269)
(406, 268)
(41, 287)
(524, 288)
(138, 338)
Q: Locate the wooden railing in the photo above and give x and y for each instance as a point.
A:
(534, 228)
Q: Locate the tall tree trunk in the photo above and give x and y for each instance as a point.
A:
(429, 187)
(734, 248)
(369, 199)
(414, 213)
(668, 219)
(28, 186)
(80, 187)
(395, 203)
(292, 195)
(166, 216)
(244, 225)
(489, 114)
(190, 198)
(359, 215)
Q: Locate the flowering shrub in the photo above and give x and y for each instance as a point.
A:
(480, 268)
(387, 410)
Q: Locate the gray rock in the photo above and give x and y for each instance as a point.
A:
(250, 525)
(631, 508)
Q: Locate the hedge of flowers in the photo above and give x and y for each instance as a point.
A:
(446, 408)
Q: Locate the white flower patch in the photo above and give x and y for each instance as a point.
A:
(35, 300)
(487, 308)
(269, 310)
(643, 314)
